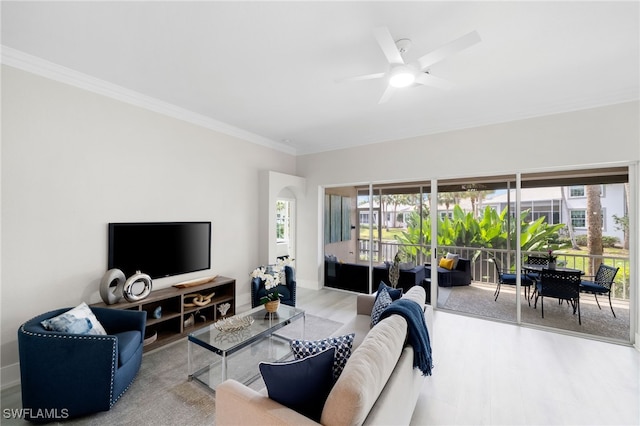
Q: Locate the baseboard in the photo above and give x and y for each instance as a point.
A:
(10, 376)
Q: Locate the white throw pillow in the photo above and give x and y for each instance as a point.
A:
(455, 258)
(79, 320)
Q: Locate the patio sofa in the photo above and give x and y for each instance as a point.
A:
(460, 275)
(409, 277)
(378, 386)
(346, 276)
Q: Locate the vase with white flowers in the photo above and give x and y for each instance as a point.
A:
(272, 276)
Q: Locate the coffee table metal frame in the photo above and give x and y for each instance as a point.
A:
(225, 344)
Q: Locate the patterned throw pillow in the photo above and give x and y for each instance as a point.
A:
(394, 293)
(342, 344)
(382, 301)
(79, 320)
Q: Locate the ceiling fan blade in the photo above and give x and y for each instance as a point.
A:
(387, 94)
(429, 80)
(362, 77)
(449, 49)
(388, 45)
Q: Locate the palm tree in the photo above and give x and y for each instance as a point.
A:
(594, 226)
(565, 213)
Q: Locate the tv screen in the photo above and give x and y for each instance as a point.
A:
(160, 249)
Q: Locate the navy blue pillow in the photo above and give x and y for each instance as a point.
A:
(395, 293)
(302, 385)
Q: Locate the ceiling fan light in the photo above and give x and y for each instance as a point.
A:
(402, 77)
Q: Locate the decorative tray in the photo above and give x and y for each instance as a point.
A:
(233, 323)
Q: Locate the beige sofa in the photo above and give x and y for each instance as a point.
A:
(377, 386)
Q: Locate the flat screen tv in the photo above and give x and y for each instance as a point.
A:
(160, 249)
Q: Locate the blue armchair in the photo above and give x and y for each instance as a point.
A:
(79, 374)
(287, 290)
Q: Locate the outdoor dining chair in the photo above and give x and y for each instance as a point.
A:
(535, 260)
(600, 284)
(561, 285)
(508, 278)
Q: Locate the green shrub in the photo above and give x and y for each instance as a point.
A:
(607, 242)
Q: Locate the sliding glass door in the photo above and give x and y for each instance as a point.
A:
(591, 209)
(476, 247)
(493, 227)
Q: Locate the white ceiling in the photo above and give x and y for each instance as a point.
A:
(270, 68)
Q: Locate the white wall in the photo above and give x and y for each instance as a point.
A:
(588, 138)
(73, 161)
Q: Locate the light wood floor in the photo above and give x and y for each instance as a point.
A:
(492, 373)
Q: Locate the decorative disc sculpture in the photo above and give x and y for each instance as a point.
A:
(128, 290)
(111, 286)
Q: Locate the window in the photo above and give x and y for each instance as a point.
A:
(552, 218)
(579, 218)
(579, 191)
(282, 221)
(576, 191)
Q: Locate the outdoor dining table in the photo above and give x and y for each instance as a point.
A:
(530, 267)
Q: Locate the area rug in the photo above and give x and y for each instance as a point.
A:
(478, 299)
(162, 395)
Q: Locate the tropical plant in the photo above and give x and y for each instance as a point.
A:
(490, 230)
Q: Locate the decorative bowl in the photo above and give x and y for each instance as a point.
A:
(233, 323)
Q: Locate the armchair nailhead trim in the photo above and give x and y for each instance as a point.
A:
(86, 337)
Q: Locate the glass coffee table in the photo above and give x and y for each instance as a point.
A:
(214, 356)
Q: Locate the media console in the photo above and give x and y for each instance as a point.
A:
(177, 320)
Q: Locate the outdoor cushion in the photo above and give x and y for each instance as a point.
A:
(446, 263)
(593, 287)
(455, 258)
(511, 279)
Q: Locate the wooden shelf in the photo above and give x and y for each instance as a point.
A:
(170, 326)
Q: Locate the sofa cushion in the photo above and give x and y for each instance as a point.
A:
(302, 385)
(342, 344)
(79, 320)
(382, 301)
(446, 263)
(128, 344)
(366, 373)
(455, 257)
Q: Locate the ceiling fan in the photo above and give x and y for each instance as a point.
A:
(401, 74)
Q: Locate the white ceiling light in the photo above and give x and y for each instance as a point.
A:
(402, 76)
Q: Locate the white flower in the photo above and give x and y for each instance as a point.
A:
(274, 276)
(271, 280)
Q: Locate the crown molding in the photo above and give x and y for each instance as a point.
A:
(36, 65)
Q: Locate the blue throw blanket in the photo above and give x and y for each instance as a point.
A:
(417, 333)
